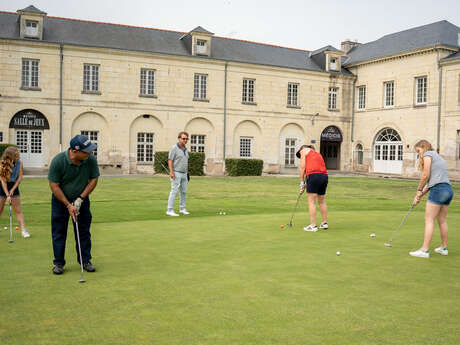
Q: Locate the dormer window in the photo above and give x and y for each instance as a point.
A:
(333, 64)
(31, 28)
(201, 47)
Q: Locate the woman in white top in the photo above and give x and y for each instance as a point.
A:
(434, 179)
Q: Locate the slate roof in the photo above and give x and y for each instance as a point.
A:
(451, 57)
(323, 49)
(435, 34)
(104, 35)
(202, 30)
(32, 8)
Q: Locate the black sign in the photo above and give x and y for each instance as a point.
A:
(331, 133)
(29, 119)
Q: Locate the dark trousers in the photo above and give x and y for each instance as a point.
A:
(59, 223)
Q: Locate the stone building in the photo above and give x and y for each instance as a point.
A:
(132, 89)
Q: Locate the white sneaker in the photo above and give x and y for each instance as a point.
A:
(26, 234)
(312, 228)
(419, 253)
(442, 251)
(184, 211)
(324, 226)
(171, 213)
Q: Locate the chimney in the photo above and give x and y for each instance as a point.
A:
(347, 45)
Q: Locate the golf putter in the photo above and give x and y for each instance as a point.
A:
(388, 244)
(82, 280)
(295, 207)
(11, 227)
(166, 169)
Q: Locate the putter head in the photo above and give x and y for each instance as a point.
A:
(82, 280)
(10, 241)
(387, 244)
(289, 225)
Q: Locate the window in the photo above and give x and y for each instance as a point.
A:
(1, 137)
(333, 64)
(361, 97)
(197, 143)
(248, 90)
(389, 100)
(420, 90)
(144, 147)
(30, 73)
(200, 46)
(92, 135)
(377, 152)
(245, 147)
(199, 89)
(292, 98)
(289, 152)
(90, 77)
(332, 99)
(359, 152)
(458, 144)
(31, 28)
(147, 82)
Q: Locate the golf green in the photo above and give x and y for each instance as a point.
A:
(236, 278)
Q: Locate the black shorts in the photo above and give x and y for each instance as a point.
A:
(9, 185)
(317, 183)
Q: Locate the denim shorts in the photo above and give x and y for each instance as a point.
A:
(317, 183)
(441, 194)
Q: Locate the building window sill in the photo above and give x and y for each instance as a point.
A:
(335, 110)
(249, 103)
(30, 88)
(145, 163)
(360, 110)
(389, 107)
(86, 92)
(420, 105)
(294, 106)
(147, 96)
(201, 100)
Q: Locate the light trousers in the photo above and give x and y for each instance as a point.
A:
(179, 183)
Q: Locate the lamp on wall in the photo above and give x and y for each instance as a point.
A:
(313, 119)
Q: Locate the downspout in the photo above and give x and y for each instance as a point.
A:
(353, 122)
(439, 106)
(225, 114)
(61, 56)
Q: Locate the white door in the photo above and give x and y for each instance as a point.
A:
(30, 143)
(388, 152)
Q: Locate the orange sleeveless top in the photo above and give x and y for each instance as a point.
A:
(314, 163)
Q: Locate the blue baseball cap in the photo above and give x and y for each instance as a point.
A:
(82, 143)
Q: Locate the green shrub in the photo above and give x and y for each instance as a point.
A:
(244, 167)
(3, 148)
(195, 163)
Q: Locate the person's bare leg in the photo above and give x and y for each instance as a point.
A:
(16, 203)
(431, 213)
(322, 207)
(443, 228)
(2, 204)
(312, 207)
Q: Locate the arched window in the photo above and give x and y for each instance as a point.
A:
(359, 153)
(388, 134)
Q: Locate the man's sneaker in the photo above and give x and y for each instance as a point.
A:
(312, 228)
(184, 211)
(324, 226)
(25, 233)
(88, 267)
(419, 253)
(171, 213)
(58, 269)
(442, 251)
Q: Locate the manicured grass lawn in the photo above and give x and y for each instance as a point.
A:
(233, 279)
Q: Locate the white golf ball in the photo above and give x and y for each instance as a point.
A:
(5, 228)
(372, 235)
(224, 213)
(338, 253)
(220, 212)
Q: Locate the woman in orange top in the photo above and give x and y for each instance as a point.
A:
(313, 169)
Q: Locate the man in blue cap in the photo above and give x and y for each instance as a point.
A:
(72, 176)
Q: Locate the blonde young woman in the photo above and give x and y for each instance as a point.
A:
(11, 177)
(435, 180)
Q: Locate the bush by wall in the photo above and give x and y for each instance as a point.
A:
(3, 148)
(195, 163)
(244, 167)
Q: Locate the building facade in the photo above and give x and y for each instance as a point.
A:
(133, 89)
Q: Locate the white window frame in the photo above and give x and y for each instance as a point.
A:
(333, 63)
(90, 77)
(30, 73)
(293, 95)
(389, 94)
(332, 98)
(144, 148)
(248, 91)
(421, 89)
(361, 101)
(93, 136)
(246, 144)
(200, 82)
(147, 87)
(31, 28)
(359, 154)
(201, 47)
(289, 152)
(197, 143)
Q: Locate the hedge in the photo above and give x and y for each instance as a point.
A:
(195, 163)
(3, 148)
(244, 167)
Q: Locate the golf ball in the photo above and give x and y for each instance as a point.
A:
(338, 253)
(17, 228)
(5, 228)
(281, 226)
(372, 235)
(224, 213)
